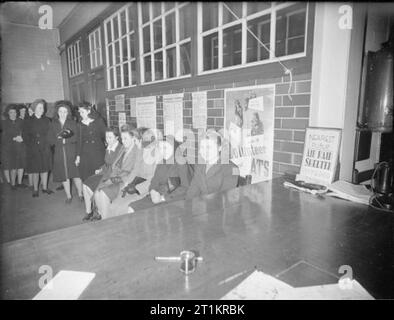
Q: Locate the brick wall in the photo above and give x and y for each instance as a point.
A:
(291, 116)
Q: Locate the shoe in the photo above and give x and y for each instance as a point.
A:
(59, 188)
(13, 187)
(69, 200)
(47, 191)
(81, 198)
(87, 216)
(95, 217)
(35, 194)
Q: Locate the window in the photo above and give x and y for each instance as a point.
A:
(165, 40)
(225, 40)
(95, 55)
(74, 54)
(119, 35)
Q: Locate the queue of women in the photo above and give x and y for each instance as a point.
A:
(113, 172)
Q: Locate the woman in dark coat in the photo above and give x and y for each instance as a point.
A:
(13, 152)
(91, 148)
(212, 176)
(35, 132)
(63, 134)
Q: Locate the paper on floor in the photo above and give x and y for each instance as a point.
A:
(66, 285)
(260, 286)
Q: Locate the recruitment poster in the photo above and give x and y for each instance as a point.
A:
(173, 115)
(121, 119)
(146, 112)
(320, 158)
(119, 102)
(199, 104)
(249, 127)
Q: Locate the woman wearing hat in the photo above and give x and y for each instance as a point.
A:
(90, 142)
(13, 153)
(35, 132)
(63, 134)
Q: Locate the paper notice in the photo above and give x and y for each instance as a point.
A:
(199, 105)
(146, 112)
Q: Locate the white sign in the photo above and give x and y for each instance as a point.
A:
(320, 159)
(119, 102)
(121, 119)
(133, 107)
(173, 115)
(146, 112)
(199, 103)
(249, 127)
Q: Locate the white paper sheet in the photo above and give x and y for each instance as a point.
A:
(199, 105)
(173, 115)
(146, 112)
(66, 285)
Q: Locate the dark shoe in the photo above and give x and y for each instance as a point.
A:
(95, 217)
(21, 186)
(59, 188)
(47, 191)
(81, 198)
(87, 216)
(13, 187)
(35, 194)
(69, 200)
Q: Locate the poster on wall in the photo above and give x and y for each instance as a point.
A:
(249, 128)
(107, 111)
(320, 158)
(146, 112)
(119, 102)
(133, 107)
(199, 104)
(121, 119)
(173, 115)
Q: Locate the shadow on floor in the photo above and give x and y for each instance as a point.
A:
(24, 216)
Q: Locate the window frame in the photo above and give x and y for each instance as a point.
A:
(74, 58)
(128, 62)
(93, 50)
(164, 47)
(244, 20)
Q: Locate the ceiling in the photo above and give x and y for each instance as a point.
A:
(27, 12)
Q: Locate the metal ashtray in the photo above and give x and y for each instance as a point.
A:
(188, 261)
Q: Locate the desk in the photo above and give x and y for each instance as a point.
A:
(263, 225)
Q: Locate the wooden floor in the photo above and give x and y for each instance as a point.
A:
(297, 237)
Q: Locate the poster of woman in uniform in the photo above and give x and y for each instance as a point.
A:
(249, 128)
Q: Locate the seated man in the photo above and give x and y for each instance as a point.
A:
(170, 181)
(109, 189)
(212, 176)
(135, 185)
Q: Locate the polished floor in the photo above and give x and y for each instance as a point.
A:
(24, 216)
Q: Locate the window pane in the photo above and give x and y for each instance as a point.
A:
(132, 49)
(185, 58)
(156, 9)
(261, 28)
(97, 39)
(185, 19)
(131, 18)
(117, 52)
(133, 73)
(256, 6)
(148, 71)
(108, 28)
(94, 62)
(124, 49)
(123, 22)
(126, 74)
(159, 65)
(146, 37)
(169, 5)
(170, 28)
(116, 28)
(290, 30)
(157, 34)
(145, 12)
(171, 63)
(232, 46)
(110, 55)
(210, 48)
(235, 7)
(118, 77)
(111, 78)
(209, 15)
(99, 58)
